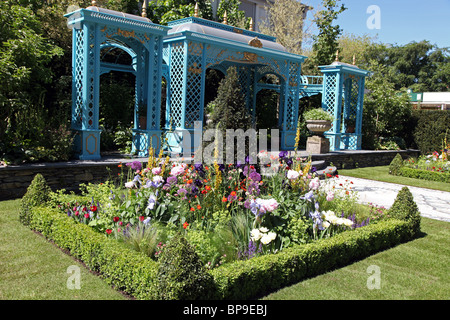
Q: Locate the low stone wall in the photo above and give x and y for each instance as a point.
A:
(14, 180)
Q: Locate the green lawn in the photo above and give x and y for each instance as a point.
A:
(31, 268)
(381, 173)
(417, 270)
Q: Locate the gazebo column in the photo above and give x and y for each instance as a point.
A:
(147, 132)
(290, 107)
(86, 88)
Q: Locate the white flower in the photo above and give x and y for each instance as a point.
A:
(158, 179)
(272, 235)
(263, 229)
(177, 170)
(325, 224)
(129, 184)
(348, 222)
(265, 239)
(255, 235)
(292, 174)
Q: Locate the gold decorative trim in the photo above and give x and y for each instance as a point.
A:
(95, 138)
(255, 42)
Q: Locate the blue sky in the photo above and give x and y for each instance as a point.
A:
(401, 21)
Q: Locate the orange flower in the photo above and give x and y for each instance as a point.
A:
(192, 209)
(207, 188)
(199, 207)
(233, 193)
(185, 225)
(224, 199)
(189, 181)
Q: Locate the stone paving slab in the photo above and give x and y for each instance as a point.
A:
(432, 204)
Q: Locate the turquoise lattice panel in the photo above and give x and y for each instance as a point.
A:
(176, 84)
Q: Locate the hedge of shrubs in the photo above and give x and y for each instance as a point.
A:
(180, 275)
(409, 168)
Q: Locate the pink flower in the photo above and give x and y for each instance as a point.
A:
(330, 196)
(314, 184)
(177, 170)
(156, 170)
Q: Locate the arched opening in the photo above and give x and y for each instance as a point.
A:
(117, 98)
(306, 102)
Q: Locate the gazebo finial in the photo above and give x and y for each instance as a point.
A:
(354, 60)
(337, 55)
(225, 18)
(196, 10)
(251, 24)
(94, 3)
(144, 9)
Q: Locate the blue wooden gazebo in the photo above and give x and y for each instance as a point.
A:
(181, 53)
(95, 30)
(343, 97)
(193, 45)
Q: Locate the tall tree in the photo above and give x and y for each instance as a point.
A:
(285, 21)
(326, 41)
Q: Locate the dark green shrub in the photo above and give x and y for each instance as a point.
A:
(395, 165)
(430, 129)
(38, 193)
(405, 208)
(425, 174)
(181, 275)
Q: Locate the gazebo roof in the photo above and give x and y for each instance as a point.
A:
(223, 31)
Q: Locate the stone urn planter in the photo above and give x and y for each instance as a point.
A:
(318, 127)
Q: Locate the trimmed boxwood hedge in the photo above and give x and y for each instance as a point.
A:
(397, 168)
(137, 274)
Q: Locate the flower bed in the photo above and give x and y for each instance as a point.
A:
(433, 167)
(245, 223)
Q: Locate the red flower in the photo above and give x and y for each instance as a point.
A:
(185, 225)
(233, 193)
(192, 209)
(116, 219)
(224, 199)
(86, 215)
(199, 207)
(93, 208)
(141, 218)
(108, 231)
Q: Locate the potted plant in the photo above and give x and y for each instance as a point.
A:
(318, 120)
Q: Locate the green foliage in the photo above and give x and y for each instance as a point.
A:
(229, 106)
(125, 269)
(235, 17)
(430, 130)
(181, 275)
(38, 193)
(395, 165)
(386, 111)
(425, 174)
(404, 208)
(326, 42)
(284, 20)
(317, 114)
(257, 276)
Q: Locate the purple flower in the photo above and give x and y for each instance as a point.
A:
(283, 154)
(135, 165)
(172, 180)
(255, 176)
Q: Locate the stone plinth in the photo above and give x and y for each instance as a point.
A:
(317, 145)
